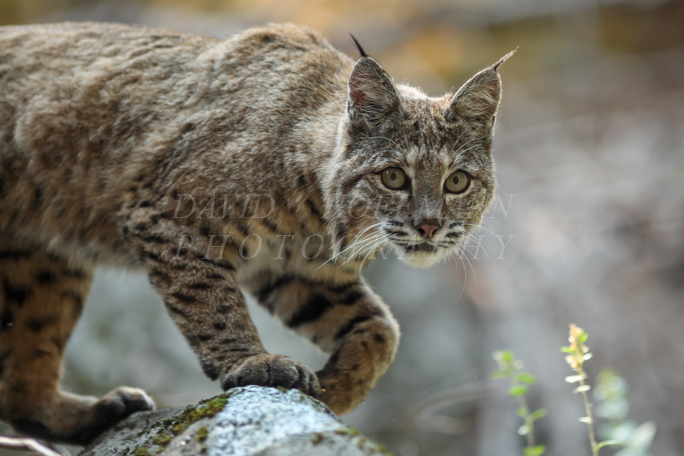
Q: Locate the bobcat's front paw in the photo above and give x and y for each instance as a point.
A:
(343, 391)
(78, 420)
(114, 407)
(272, 370)
(121, 402)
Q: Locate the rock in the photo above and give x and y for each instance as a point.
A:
(246, 421)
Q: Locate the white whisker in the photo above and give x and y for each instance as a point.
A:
(368, 242)
(472, 270)
(463, 145)
(379, 244)
(459, 138)
(465, 277)
(357, 239)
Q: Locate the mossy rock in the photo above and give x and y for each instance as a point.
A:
(245, 421)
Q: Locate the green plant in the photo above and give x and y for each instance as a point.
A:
(610, 395)
(511, 369)
(577, 354)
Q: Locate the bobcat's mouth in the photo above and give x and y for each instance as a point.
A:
(425, 246)
(425, 253)
(429, 245)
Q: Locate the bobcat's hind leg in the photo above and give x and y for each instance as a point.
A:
(41, 299)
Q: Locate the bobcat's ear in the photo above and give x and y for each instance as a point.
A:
(371, 94)
(479, 97)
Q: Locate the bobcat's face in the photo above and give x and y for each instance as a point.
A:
(411, 171)
(420, 189)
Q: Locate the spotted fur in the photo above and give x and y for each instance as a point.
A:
(217, 166)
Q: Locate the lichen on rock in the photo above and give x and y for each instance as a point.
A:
(247, 421)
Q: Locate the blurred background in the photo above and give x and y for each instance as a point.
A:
(588, 227)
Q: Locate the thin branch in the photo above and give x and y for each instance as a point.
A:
(15, 443)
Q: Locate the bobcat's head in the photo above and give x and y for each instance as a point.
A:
(411, 171)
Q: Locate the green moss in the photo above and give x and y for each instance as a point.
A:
(348, 431)
(206, 409)
(167, 422)
(142, 452)
(172, 427)
(202, 433)
(317, 438)
(162, 439)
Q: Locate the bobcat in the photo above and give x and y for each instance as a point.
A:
(267, 162)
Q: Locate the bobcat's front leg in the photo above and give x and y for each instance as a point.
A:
(202, 295)
(348, 321)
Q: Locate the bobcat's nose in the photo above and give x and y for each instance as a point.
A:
(427, 227)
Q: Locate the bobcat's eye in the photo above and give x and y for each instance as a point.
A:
(457, 182)
(394, 178)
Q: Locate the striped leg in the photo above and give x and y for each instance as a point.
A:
(200, 290)
(41, 299)
(348, 321)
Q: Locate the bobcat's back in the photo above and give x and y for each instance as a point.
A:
(87, 109)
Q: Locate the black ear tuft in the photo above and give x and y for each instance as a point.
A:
(496, 66)
(358, 46)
